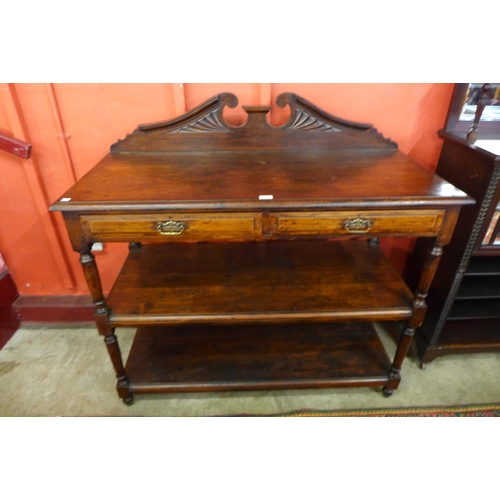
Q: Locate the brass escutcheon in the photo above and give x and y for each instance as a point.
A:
(358, 225)
(171, 227)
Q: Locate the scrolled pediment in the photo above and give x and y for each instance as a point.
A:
(306, 116)
(205, 118)
(204, 128)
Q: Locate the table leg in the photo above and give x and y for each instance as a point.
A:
(101, 315)
(419, 307)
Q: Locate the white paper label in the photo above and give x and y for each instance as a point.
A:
(65, 199)
(265, 197)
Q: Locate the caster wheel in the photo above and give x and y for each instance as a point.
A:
(387, 392)
(129, 401)
(423, 365)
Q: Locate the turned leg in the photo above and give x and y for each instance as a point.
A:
(101, 315)
(419, 308)
(401, 351)
(123, 383)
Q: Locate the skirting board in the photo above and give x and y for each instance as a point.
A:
(70, 310)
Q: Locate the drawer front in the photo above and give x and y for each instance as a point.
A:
(173, 227)
(418, 222)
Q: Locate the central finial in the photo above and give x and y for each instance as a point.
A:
(257, 114)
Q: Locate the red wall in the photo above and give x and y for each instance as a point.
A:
(71, 127)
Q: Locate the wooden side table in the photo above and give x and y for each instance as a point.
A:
(254, 260)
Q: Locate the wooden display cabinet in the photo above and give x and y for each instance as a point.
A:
(254, 260)
(464, 299)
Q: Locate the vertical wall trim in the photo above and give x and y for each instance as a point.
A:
(179, 99)
(61, 134)
(35, 180)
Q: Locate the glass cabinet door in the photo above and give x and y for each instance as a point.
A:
(467, 100)
(492, 236)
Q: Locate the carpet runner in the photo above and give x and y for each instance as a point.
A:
(484, 410)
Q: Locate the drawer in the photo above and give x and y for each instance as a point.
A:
(418, 222)
(173, 227)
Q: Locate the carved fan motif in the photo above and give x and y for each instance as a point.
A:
(304, 121)
(307, 116)
(208, 123)
(205, 129)
(207, 117)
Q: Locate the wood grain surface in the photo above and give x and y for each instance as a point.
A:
(208, 358)
(257, 282)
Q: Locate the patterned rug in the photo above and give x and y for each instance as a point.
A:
(485, 410)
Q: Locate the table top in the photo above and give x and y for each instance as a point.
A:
(229, 179)
(327, 163)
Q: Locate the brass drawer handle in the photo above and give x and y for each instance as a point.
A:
(171, 227)
(358, 225)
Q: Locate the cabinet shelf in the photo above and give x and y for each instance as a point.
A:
(470, 309)
(248, 357)
(461, 336)
(254, 282)
(458, 333)
(489, 266)
(479, 287)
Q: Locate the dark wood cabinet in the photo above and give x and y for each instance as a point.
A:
(254, 260)
(464, 298)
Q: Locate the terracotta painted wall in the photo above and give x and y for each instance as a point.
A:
(71, 127)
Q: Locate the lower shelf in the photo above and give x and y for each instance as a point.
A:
(250, 357)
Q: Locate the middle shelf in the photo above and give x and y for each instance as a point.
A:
(257, 282)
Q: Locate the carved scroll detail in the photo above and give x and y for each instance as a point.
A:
(307, 116)
(304, 121)
(208, 123)
(207, 117)
(204, 128)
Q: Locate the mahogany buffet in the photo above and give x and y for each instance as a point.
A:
(254, 257)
